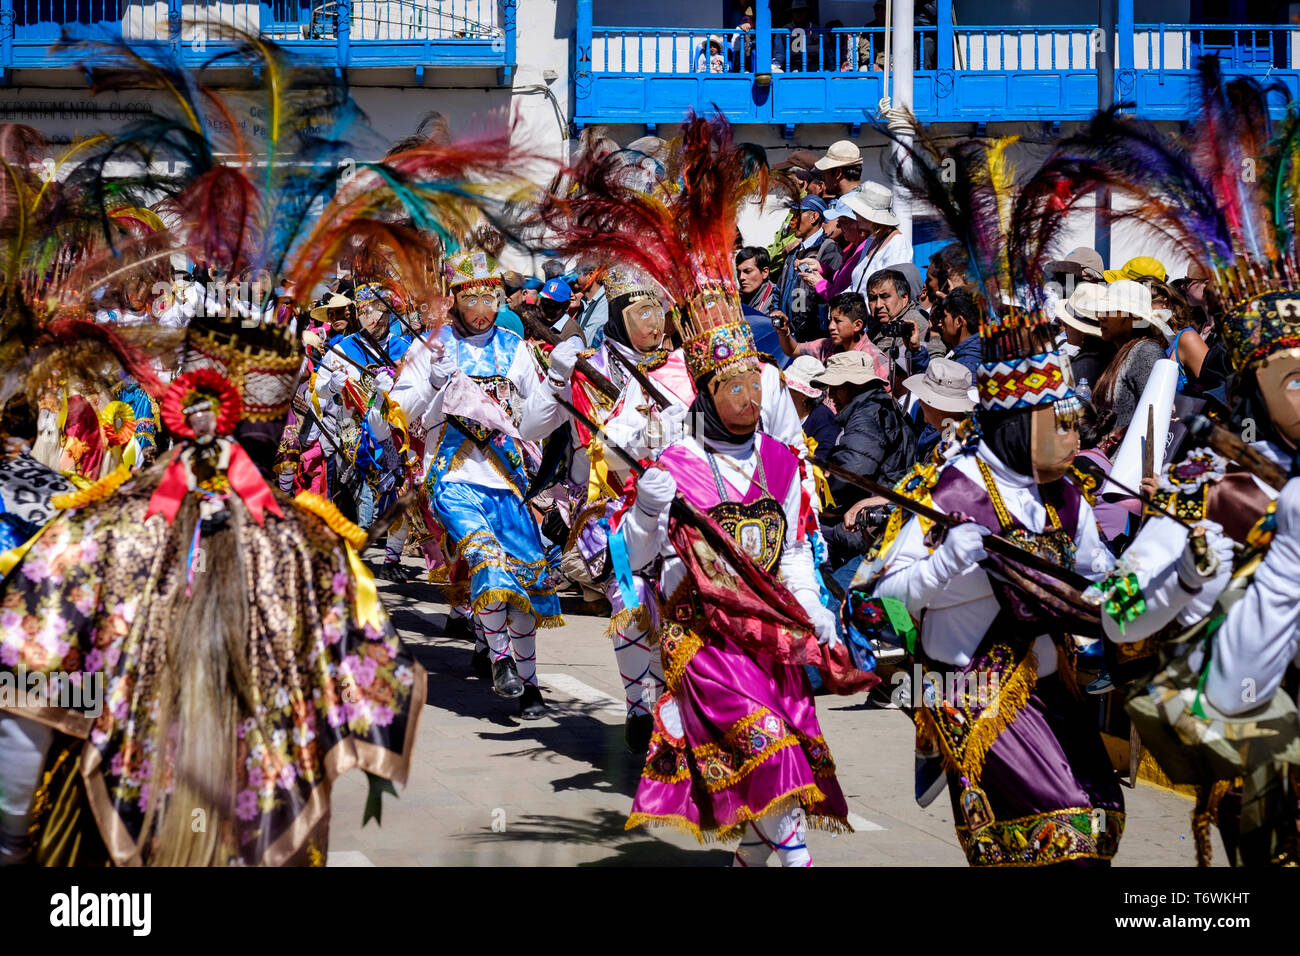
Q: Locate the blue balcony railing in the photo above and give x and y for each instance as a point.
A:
(960, 73)
(346, 33)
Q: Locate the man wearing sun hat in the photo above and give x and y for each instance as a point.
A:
(875, 440)
(841, 167)
(945, 393)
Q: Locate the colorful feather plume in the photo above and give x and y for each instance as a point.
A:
(680, 228)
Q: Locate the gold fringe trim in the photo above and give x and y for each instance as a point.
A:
(516, 600)
(585, 514)
(329, 512)
(464, 450)
(1012, 698)
(96, 492)
(809, 794)
(640, 616)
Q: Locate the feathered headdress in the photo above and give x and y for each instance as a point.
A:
(290, 200)
(681, 232)
(972, 186)
(1227, 197)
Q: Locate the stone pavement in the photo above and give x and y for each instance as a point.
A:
(487, 789)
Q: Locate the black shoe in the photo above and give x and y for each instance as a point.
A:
(394, 571)
(531, 705)
(505, 679)
(637, 731)
(481, 664)
(460, 627)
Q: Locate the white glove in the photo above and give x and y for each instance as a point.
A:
(1220, 553)
(655, 491)
(824, 624)
(378, 427)
(337, 379)
(962, 547)
(564, 358)
(442, 370)
(674, 422)
(384, 381)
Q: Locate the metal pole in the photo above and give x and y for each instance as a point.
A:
(901, 66)
(1104, 48)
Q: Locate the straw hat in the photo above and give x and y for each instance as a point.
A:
(1079, 311)
(335, 301)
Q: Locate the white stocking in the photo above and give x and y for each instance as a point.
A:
(523, 638)
(786, 834)
(753, 849)
(396, 541)
(23, 746)
(637, 667)
(492, 619)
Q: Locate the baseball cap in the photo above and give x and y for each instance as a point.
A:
(557, 290)
(842, 152)
(837, 209)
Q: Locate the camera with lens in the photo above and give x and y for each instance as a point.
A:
(899, 329)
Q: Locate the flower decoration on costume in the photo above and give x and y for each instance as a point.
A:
(194, 388)
(1198, 469)
(118, 421)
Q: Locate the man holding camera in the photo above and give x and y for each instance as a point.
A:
(898, 328)
(798, 301)
(847, 328)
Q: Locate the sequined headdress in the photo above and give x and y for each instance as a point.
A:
(473, 269)
(681, 230)
(623, 280)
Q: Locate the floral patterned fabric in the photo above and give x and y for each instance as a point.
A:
(91, 598)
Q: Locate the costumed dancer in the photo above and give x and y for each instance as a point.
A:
(356, 376)
(468, 387)
(245, 659)
(605, 213)
(1207, 661)
(1030, 781)
(737, 750)
(636, 328)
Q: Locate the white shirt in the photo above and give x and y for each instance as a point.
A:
(958, 612)
(894, 251)
(416, 396)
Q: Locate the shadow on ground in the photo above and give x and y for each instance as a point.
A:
(605, 828)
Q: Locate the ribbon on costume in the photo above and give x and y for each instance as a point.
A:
(819, 477)
(621, 564)
(367, 595)
(245, 481)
